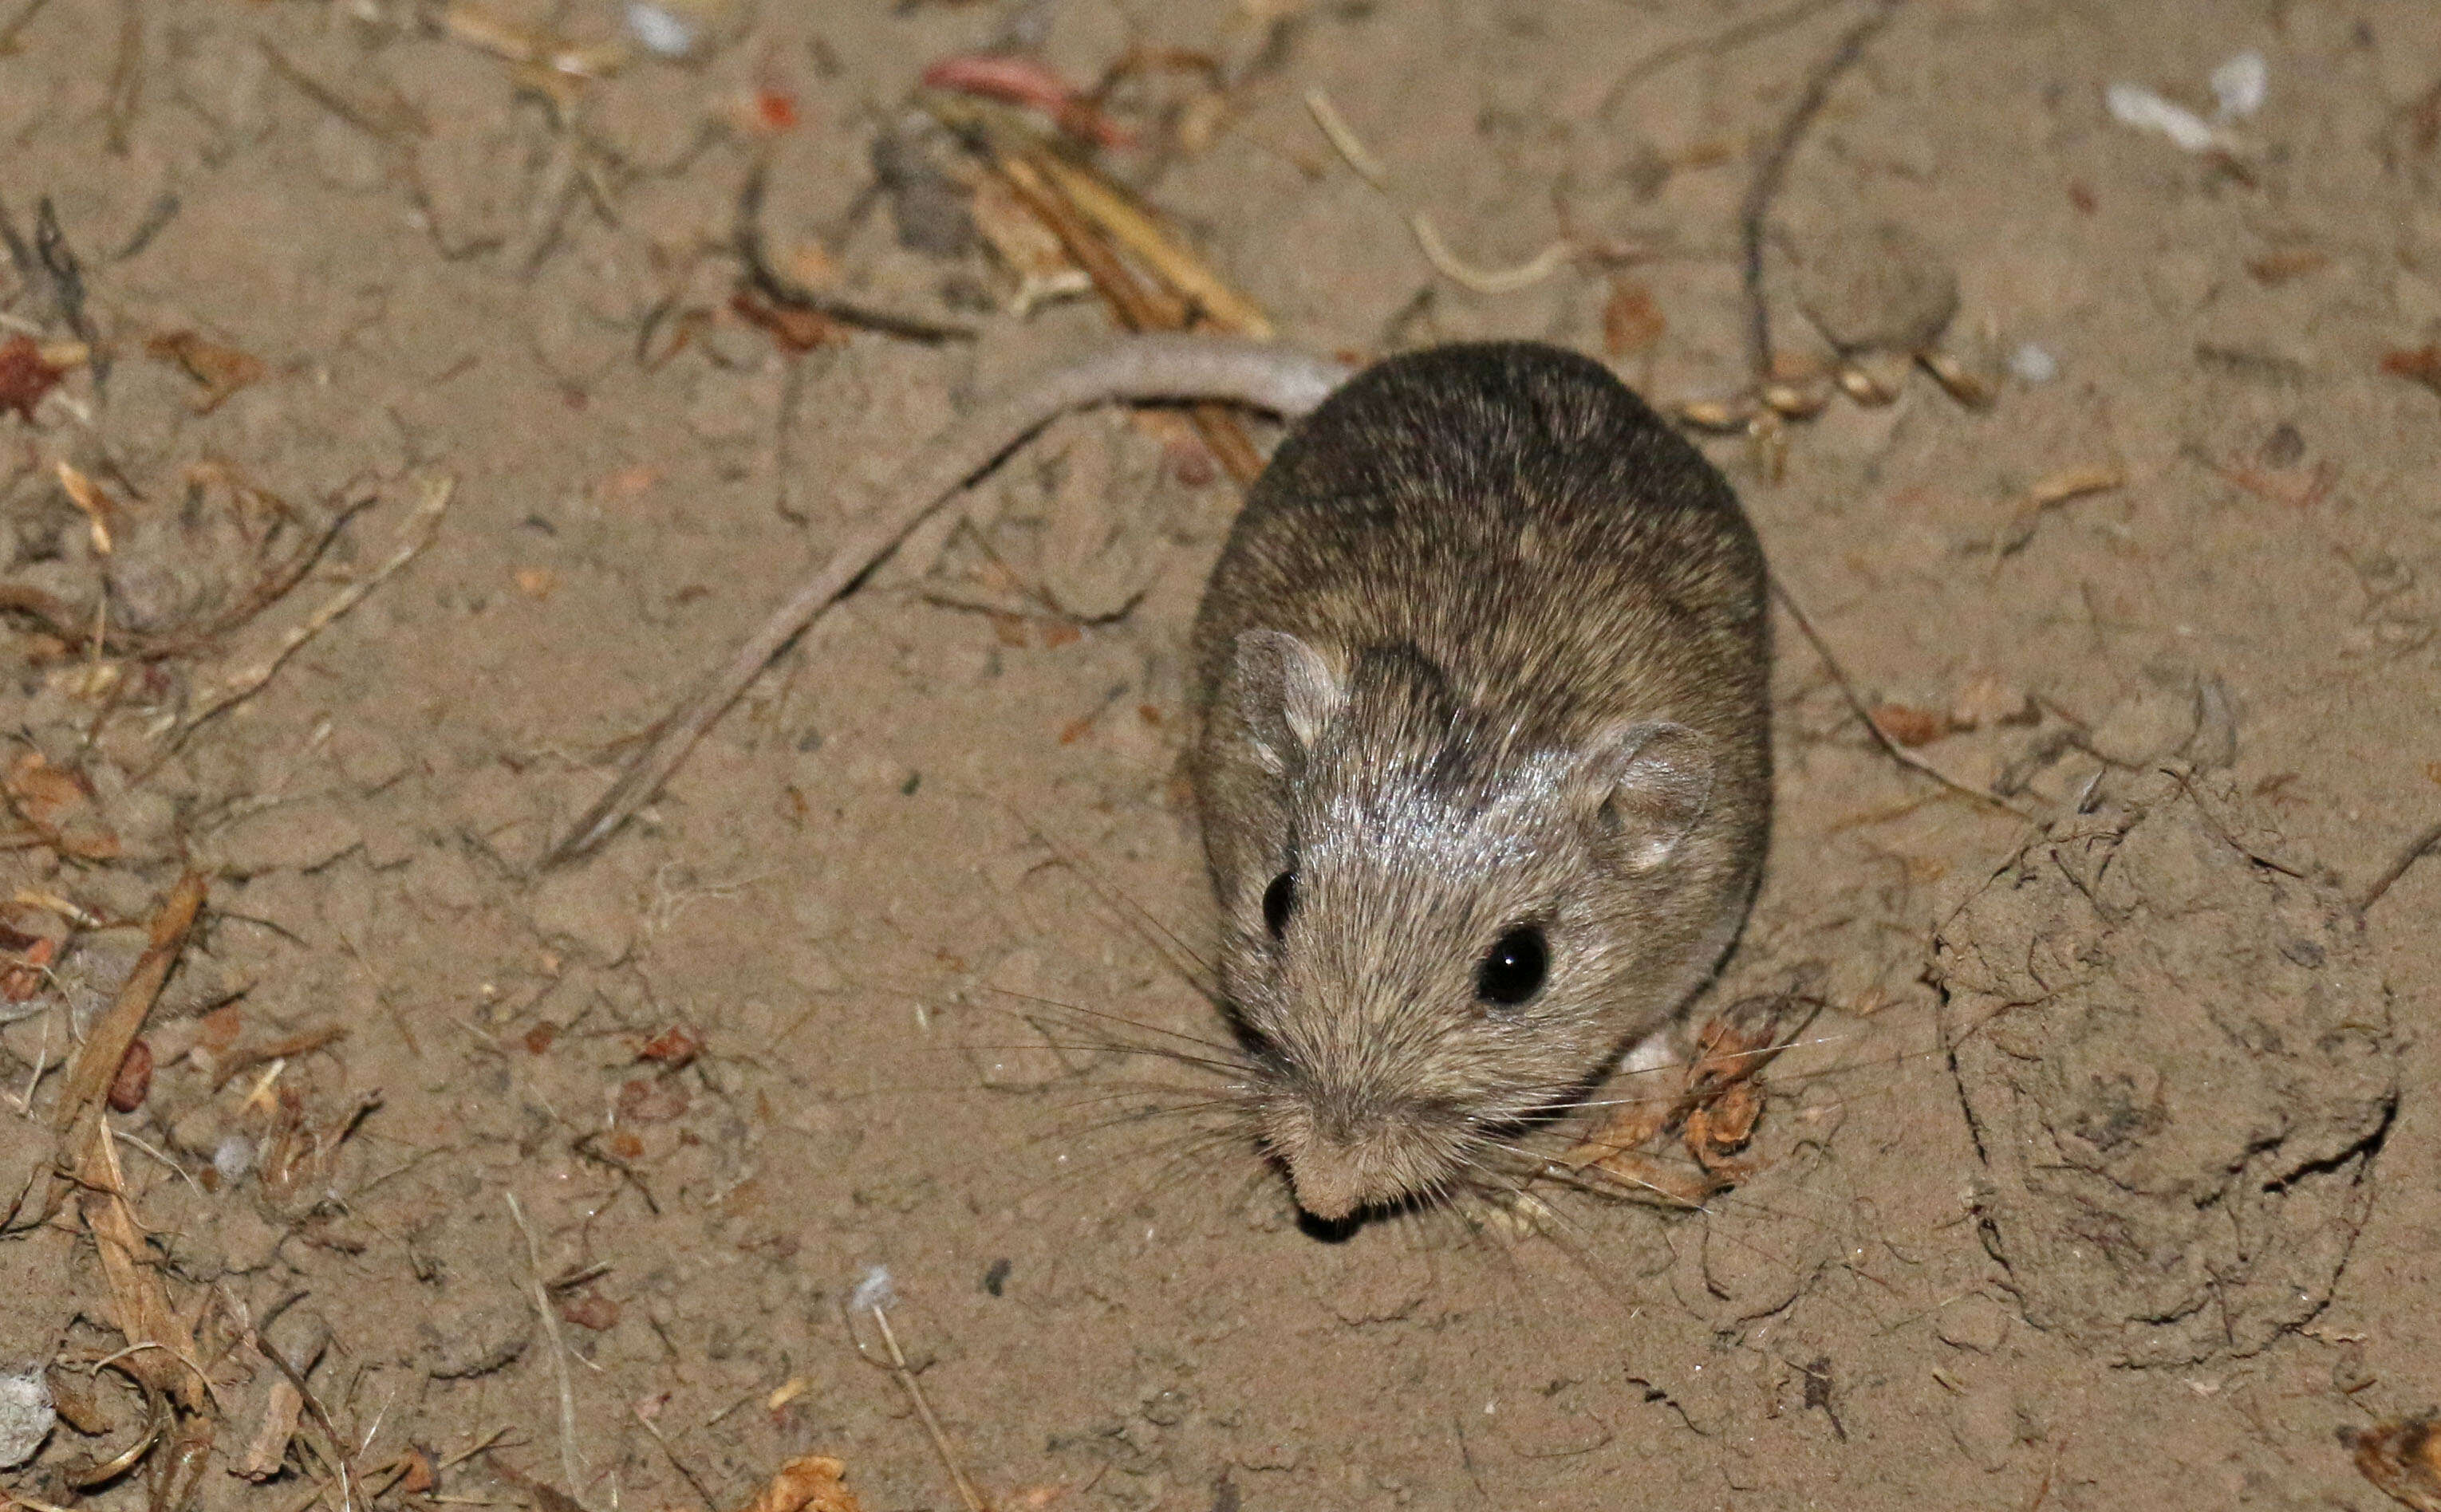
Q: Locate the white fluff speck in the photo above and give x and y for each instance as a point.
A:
(233, 1156)
(670, 35)
(2134, 105)
(2240, 85)
(874, 1290)
(2031, 364)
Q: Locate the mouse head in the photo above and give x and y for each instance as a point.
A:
(1436, 929)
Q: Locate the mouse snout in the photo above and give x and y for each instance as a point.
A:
(1327, 1184)
(1340, 1164)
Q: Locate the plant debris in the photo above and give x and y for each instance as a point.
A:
(221, 371)
(25, 376)
(2402, 1458)
(1713, 1112)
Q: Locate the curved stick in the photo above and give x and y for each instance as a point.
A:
(1133, 367)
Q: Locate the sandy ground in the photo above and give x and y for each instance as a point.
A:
(2106, 1180)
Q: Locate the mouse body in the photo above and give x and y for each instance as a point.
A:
(1483, 759)
(1483, 756)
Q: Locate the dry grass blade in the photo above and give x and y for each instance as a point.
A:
(1087, 213)
(161, 1351)
(1129, 223)
(1138, 308)
(549, 1316)
(1446, 262)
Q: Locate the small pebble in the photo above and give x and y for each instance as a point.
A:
(669, 35)
(26, 1414)
(2031, 364)
(2240, 85)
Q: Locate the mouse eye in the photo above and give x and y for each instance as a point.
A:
(1513, 968)
(1278, 899)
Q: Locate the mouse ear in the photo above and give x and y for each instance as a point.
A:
(1648, 784)
(1285, 691)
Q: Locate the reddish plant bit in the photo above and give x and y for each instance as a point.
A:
(645, 1102)
(2421, 365)
(539, 1038)
(416, 1476)
(22, 978)
(135, 1078)
(597, 1313)
(2402, 1458)
(775, 111)
(1911, 726)
(673, 1047)
(1023, 81)
(795, 328)
(25, 377)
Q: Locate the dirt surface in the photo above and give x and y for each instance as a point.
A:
(2104, 1180)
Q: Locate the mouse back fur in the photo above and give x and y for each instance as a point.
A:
(1483, 759)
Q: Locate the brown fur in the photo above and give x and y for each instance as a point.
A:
(1515, 672)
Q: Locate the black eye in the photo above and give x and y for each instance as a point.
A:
(1277, 900)
(1513, 968)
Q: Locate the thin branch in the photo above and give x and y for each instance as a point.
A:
(1773, 171)
(1881, 737)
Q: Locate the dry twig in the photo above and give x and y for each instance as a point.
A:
(898, 1366)
(413, 537)
(2415, 850)
(1773, 171)
(790, 295)
(1881, 737)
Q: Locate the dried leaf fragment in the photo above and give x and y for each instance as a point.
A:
(58, 806)
(2419, 365)
(1910, 724)
(1715, 1108)
(673, 1047)
(811, 1483)
(86, 494)
(416, 1475)
(2403, 1459)
(2075, 482)
(2273, 268)
(25, 376)
(266, 1456)
(1632, 322)
(23, 973)
(222, 370)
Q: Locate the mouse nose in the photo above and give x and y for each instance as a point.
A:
(1326, 1186)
